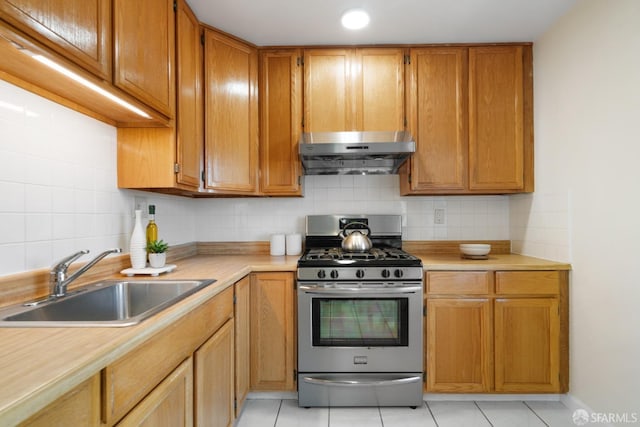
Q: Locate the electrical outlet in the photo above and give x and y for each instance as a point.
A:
(438, 217)
(140, 203)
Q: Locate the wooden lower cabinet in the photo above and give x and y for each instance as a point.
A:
(169, 404)
(272, 331)
(459, 340)
(80, 406)
(506, 334)
(242, 318)
(214, 379)
(527, 357)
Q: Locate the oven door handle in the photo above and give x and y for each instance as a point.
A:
(361, 383)
(351, 291)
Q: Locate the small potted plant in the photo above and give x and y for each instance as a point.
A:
(157, 253)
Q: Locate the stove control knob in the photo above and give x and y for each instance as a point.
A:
(334, 274)
(398, 273)
(386, 273)
(321, 274)
(359, 274)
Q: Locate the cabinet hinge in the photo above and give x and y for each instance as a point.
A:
(295, 375)
(235, 404)
(300, 61)
(202, 176)
(234, 300)
(299, 179)
(409, 178)
(424, 311)
(407, 59)
(176, 168)
(202, 39)
(424, 377)
(175, 6)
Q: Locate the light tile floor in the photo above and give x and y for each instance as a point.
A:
(286, 413)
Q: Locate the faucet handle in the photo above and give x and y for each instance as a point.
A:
(65, 262)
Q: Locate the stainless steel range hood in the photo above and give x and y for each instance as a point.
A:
(354, 153)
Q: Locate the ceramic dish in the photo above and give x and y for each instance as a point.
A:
(475, 249)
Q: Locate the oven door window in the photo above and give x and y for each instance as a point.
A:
(360, 322)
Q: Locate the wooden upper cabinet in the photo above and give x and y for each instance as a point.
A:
(470, 110)
(171, 159)
(437, 105)
(80, 30)
(144, 32)
(378, 80)
(353, 89)
(190, 116)
(280, 121)
(496, 118)
(231, 115)
(328, 94)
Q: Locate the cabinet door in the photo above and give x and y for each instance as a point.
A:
(527, 345)
(437, 104)
(328, 91)
(78, 29)
(459, 345)
(272, 331)
(231, 115)
(378, 81)
(144, 32)
(496, 118)
(280, 121)
(242, 339)
(189, 121)
(79, 407)
(214, 379)
(169, 404)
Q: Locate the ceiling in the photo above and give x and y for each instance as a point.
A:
(317, 22)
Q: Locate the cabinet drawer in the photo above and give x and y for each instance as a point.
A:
(132, 377)
(458, 282)
(528, 282)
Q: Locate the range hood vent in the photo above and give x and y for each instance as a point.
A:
(354, 153)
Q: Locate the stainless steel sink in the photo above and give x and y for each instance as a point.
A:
(103, 304)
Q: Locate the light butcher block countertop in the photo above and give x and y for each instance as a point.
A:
(495, 262)
(38, 365)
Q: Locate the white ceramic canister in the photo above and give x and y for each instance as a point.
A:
(277, 244)
(294, 244)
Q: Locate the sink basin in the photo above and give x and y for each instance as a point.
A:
(103, 304)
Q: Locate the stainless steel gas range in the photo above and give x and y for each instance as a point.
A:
(359, 316)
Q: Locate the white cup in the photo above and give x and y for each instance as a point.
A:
(294, 244)
(277, 244)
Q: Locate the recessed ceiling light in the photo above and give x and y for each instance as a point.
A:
(355, 19)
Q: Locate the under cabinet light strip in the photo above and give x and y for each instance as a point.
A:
(75, 77)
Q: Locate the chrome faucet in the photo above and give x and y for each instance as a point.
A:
(58, 275)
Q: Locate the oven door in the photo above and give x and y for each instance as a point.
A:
(346, 328)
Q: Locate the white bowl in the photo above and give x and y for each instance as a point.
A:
(475, 249)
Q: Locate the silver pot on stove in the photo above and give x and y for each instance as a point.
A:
(356, 240)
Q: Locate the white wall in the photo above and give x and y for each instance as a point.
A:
(586, 204)
(58, 194)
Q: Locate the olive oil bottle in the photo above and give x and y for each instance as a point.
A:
(152, 227)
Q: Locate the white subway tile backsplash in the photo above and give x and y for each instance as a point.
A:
(12, 228)
(13, 197)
